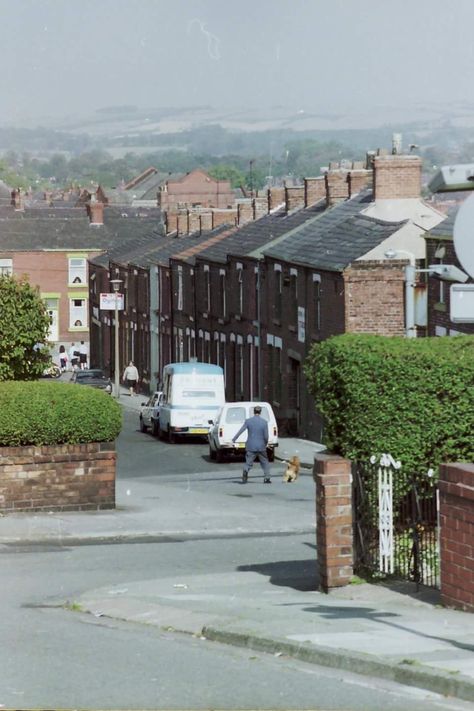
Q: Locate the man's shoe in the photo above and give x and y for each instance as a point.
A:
(245, 477)
(267, 480)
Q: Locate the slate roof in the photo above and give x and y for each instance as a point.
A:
(243, 241)
(335, 238)
(446, 227)
(21, 232)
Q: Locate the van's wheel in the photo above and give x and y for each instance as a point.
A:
(212, 453)
(171, 437)
(155, 428)
(271, 455)
(161, 433)
(143, 427)
(220, 456)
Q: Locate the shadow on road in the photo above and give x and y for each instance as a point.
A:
(300, 575)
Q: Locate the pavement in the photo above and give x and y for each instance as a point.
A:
(379, 630)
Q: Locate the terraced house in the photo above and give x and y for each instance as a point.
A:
(255, 297)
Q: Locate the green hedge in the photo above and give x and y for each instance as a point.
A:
(412, 398)
(46, 412)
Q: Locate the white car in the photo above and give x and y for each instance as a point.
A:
(229, 420)
(150, 413)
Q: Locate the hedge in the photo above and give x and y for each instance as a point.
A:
(411, 398)
(45, 412)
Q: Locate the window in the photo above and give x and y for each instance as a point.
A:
(6, 267)
(180, 288)
(294, 296)
(240, 289)
(207, 289)
(77, 270)
(77, 313)
(222, 292)
(278, 293)
(317, 301)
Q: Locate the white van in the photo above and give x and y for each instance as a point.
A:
(230, 420)
(193, 394)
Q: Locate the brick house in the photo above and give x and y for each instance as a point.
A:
(255, 297)
(195, 189)
(52, 247)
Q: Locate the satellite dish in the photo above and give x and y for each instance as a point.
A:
(463, 235)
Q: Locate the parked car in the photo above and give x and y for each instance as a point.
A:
(150, 413)
(229, 420)
(94, 378)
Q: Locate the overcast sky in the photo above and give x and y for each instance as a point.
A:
(60, 57)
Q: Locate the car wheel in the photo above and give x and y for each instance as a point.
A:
(143, 427)
(155, 428)
(171, 437)
(271, 455)
(220, 456)
(212, 453)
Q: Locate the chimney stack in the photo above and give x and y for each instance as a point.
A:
(95, 211)
(397, 177)
(17, 199)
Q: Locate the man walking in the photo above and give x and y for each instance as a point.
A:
(130, 376)
(256, 445)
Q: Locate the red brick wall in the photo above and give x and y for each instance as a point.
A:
(332, 476)
(375, 298)
(196, 187)
(68, 477)
(456, 490)
(397, 176)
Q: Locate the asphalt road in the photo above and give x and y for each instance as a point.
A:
(53, 655)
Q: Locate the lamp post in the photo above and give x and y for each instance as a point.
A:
(116, 287)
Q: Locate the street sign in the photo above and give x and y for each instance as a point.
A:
(462, 303)
(107, 302)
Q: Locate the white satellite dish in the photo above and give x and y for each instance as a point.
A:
(463, 235)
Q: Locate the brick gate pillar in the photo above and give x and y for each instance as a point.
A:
(456, 507)
(333, 479)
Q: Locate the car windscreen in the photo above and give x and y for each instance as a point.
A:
(91, 375)
(235, 415)
(265, 414)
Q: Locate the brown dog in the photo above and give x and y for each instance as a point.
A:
(292, 469)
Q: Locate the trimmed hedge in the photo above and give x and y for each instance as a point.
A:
(44, 412)
(411, 398)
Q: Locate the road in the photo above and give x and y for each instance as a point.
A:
(55, 655)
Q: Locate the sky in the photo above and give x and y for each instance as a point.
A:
(64, 57)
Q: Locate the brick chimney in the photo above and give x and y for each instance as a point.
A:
(359, 178)
(259, 207)
(244, 212)
(95, 210)
(314, 190)
(276, 197)
(337, 185)
(397, 177)
(294, 197)
(17, 199)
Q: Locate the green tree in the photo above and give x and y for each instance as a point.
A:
(24, 323)
(228, 172)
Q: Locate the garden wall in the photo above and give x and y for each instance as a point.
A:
(66, 477)
(456, 494)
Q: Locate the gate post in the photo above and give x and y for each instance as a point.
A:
(334, 538)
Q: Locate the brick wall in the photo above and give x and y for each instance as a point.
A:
(294, 198)
(276, 197)
(337, 186)
(68, 477)
(456, 490)
(314, 190)
(375, 298)
(332, 476)
(396, 177)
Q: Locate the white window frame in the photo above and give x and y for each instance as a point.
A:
(180, 288)
(78, 313)
(6, 267)
(77, 270)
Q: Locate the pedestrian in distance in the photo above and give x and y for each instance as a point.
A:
(83, 356)
(73, 358)
(256, 445)
(130, 377)
(63, 359)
